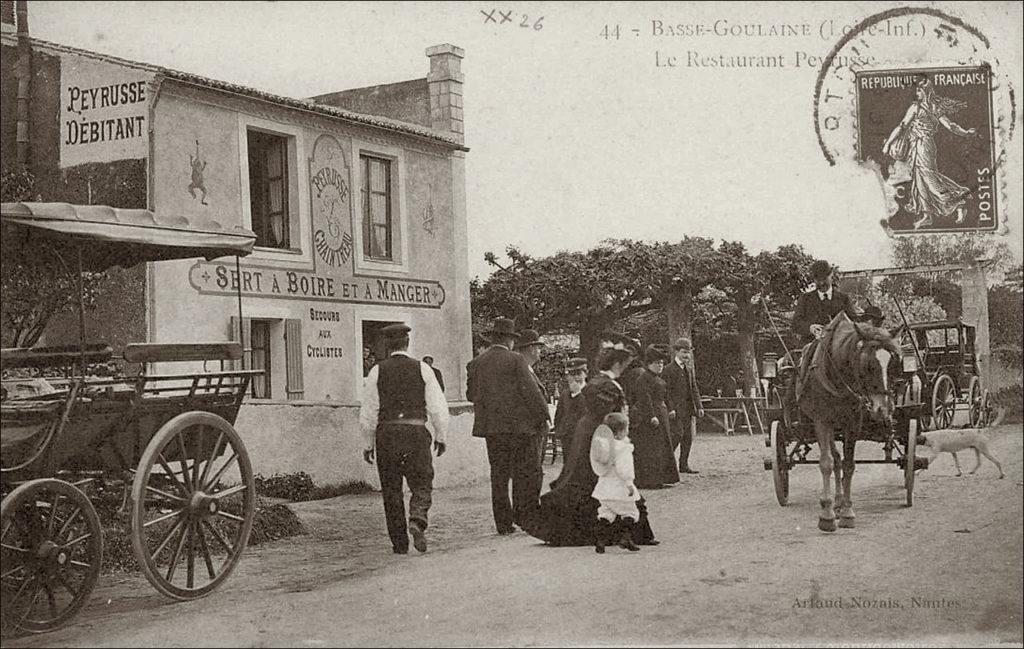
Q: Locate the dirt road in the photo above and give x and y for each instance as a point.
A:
(733, 567)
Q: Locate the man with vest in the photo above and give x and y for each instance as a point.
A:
(399, 396)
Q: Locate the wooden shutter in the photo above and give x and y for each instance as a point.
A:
(246, 360)
(293, 358)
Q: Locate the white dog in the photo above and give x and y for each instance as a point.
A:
(954, 440)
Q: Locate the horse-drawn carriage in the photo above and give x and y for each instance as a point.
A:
(166, 440)
(947, 373)
(856, 381)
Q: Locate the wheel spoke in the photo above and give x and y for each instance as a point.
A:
(161, 519)
(67, 523)
(220, 537)
(190, 579)
(12, 548)
(195, 456)
(80, 564)
(206, 552)
(186, 531)
(53, 515)
(51, 600)
(229, 491)
(165, 494)
(209, 462)
(167, 538)
(220, 472)
(171, 474)
(12, 571)
(231, 516)
(183, 461)
(78, 540)
(31, 603)
(64, 582)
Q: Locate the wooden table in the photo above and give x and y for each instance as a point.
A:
(727, 411)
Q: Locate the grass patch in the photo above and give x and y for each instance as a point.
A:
(299, 487)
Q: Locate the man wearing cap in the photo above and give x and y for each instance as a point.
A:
(816, 308)
(399, 396)
(873, 316)
(511, 414)
(570, 405)
(683, 399)
(429, 360)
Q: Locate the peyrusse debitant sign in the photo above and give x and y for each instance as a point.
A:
(213, 278)
(103, 111)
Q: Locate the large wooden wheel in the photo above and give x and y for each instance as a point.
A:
(51, 548)
(910, 460)
(780, 464)
(193, 497)
(943, 402)
(975, 398)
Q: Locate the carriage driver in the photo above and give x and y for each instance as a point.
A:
(816, 308)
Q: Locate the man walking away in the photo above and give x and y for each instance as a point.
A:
(683, 400)
(399, 395)
(509, 412)
(528, 346)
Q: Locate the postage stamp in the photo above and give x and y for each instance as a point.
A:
(930, 132)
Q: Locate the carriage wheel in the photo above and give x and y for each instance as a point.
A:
(51, 549)
(910, 461)
(986, 410)
(943, 402)
(193, 497)
(780, 464)
(975, 399)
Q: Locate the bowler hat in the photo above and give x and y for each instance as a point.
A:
(501, 327)
(575, 364)
(528, 338)
(820, 269)
(395, 330)
(682, 343)
(655, 353)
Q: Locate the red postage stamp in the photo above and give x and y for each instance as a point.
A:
(930, 131)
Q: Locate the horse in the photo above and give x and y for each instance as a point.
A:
(844, 374)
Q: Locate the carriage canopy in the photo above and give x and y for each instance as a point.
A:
(110, 236)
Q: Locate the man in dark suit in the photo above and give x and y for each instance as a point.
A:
(511, 414)
(683, 400)
(399, 395)
(816, 308)
(429, 360)
(570, 404)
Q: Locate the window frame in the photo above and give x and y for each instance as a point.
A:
(400, 231)
(300, 234)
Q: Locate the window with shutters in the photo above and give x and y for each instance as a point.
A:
(377, 219)
(268, 189)
(273, 346)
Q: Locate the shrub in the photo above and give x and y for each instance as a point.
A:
(299, 487)
(1011, 397)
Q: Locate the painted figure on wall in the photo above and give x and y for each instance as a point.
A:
(198, 167)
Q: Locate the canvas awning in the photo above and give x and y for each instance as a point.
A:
(109, 236)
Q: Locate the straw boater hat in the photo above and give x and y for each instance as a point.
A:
(500, 327)
(528, 338)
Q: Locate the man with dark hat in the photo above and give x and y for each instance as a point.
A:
(511, 414)
(399, 397)
(570, 406)
(429, 360)
(816, 308)
(528, 346)
(683, 399)
(873, 316)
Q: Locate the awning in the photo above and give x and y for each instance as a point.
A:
(109, 236)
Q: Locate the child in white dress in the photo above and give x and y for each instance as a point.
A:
(611, 458)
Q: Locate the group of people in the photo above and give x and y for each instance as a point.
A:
(620, 427)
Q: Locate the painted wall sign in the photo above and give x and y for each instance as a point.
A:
(212, 278)
(103, 110)
(329, 192)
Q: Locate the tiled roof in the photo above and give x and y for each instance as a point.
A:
(301, 104)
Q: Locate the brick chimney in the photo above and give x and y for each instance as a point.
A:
(445, 87)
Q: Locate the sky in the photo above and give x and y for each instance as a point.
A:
(576, 135)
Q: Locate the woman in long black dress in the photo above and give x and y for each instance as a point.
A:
(648, 418)
(567, 514)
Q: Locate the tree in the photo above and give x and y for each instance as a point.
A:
(686, 268)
